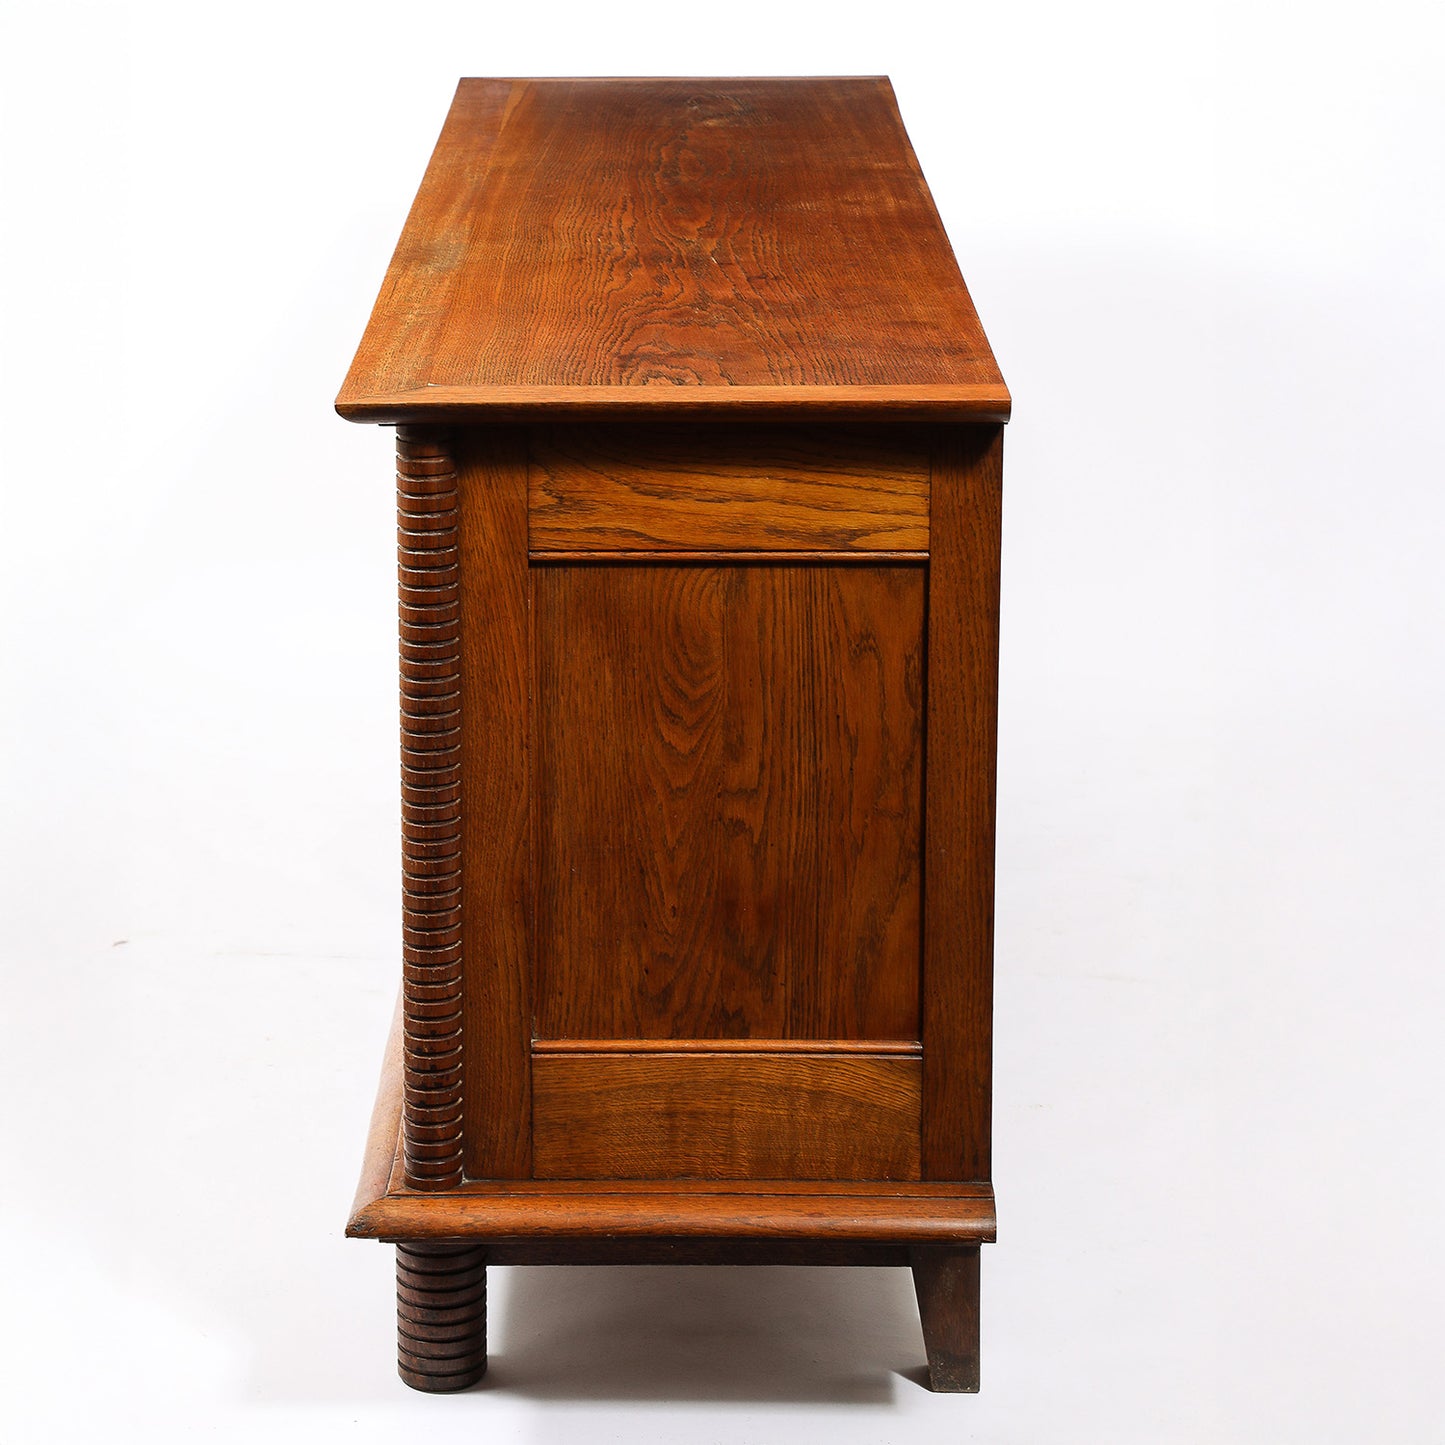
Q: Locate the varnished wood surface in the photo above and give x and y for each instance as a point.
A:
(606, 245)
(879, 1219)
(719, 1116)
(429, 600)
(495, 657)
(946, 1282)
(662, 488)
(872, 1218)
(728, 784)
(962, 727)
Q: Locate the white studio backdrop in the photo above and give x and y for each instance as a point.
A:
(1205, 241)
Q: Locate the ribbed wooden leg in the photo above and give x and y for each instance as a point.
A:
(441, 1315)
(946, 1282)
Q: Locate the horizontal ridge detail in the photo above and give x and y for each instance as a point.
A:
(906, 1047)
(430, 645)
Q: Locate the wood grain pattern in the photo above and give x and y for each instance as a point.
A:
(704, 242)
(728, 786)
(429, 600)
(963, 601)
(495, 652)
(764, 489)
(441, 1315)
(725, 1116)
(946, 1282)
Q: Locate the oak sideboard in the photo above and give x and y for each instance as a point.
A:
(698, 445)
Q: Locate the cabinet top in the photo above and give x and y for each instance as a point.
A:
(673, 247)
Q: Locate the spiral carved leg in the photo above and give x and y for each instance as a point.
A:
(441, 1315)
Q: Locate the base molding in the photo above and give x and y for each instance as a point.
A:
(447, 1237)
(663, 1212)
(959, 1215)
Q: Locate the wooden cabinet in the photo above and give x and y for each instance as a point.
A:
(698, 469)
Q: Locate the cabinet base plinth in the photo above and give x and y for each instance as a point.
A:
(445, 1238)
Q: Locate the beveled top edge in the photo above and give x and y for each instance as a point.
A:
(662, 79)
(975, 404)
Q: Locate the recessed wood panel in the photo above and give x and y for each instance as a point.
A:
(767, 489)
(725, 1116)
(727, 774)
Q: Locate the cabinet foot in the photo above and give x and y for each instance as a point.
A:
(441, 1315)
(946, 1282)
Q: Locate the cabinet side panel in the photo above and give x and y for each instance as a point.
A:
(495, 606)
(963, 593)
(728, 801)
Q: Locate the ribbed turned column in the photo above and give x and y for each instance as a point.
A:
(441, 1287)
(431, 792)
